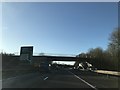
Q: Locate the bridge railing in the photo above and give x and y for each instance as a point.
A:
(53, 54)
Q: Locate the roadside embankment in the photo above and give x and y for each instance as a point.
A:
(12, 66)
(114, 73)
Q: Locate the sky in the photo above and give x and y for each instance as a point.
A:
(58, 28)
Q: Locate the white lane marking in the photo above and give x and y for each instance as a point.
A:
(18, 76)
(10, 78)
(84, 81)
(45, 78)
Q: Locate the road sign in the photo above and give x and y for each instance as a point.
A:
(26, 53)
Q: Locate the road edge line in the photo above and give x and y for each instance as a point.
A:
(84, 81)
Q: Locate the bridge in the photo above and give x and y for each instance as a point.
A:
(60, 58)
(38, 59)
(26, 53)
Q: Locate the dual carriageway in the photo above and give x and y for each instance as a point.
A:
(62, 78)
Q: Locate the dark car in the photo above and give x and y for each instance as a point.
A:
(44, 67)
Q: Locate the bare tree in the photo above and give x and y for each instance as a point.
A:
(114, 47)
(114, 44)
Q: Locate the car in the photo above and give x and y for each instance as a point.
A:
(92, 68)
(44, 67)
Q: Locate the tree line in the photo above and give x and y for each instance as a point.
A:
(106, 59)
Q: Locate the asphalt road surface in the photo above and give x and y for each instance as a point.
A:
(62, 78)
